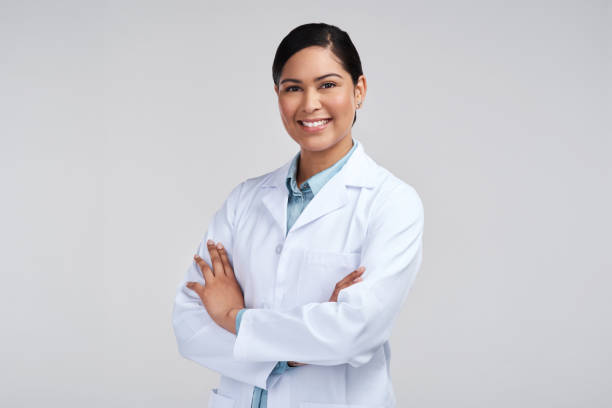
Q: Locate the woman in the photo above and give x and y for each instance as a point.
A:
(255, 304)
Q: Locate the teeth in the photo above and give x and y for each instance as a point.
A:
(315, 124)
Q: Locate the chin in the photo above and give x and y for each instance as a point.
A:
(316, 143)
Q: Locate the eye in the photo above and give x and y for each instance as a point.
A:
(289, 88)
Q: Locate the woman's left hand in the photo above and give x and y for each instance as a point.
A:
(221, 295)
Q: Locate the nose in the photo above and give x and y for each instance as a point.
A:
(311, 100)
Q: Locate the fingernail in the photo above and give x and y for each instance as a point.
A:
(361, 268)
(220, 246)
(210, 242)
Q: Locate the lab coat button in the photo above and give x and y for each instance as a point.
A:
(279, 248)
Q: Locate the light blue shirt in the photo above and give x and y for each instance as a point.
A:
(298, 200)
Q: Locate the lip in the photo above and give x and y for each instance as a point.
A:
(314, 129)
(313, 120)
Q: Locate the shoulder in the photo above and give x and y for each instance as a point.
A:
(394, 198)
(274, 178)
(247, 190)
(388, 186)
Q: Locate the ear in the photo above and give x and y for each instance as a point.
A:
(361, 88)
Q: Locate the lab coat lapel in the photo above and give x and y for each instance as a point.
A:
(359, 171)
(332, 196)
(275, 196)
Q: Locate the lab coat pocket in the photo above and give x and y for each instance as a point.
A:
(322, 270)
(217, 400)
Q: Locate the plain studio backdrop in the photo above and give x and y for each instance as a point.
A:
(124, 125)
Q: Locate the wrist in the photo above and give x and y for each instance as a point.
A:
(233, 313)
(231, 320)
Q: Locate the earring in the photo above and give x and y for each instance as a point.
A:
(359, 104)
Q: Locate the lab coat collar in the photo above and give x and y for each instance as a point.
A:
(360, 170)
(315, 182)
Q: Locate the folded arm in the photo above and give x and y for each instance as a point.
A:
(198, 337)
(281, 366)
(350, 330)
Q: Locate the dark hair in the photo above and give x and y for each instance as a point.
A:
(323, 35)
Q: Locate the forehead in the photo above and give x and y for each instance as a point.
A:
(311, 62)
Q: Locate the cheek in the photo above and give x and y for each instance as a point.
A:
(340, 106)
(287, 109)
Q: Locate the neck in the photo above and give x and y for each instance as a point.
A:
(311, 163)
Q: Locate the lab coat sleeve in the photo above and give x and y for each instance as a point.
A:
(351, 329)
(281, 366)
(198, 337)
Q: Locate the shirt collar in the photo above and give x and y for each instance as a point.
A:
(316, 181)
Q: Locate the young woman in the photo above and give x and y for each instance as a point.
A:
(255, 304)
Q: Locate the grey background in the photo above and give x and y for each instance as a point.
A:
(124, 125)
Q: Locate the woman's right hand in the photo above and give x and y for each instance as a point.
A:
(347, 281)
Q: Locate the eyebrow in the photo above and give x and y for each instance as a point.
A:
(316, 79)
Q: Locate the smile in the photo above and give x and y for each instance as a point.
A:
(314, 126)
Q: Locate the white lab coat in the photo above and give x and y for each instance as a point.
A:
(364, 215)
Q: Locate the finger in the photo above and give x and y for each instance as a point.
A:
(227, 267)
(351, 276)
(342, 285)
(345, 283)
(217, 265)
(207, 273)
(195, 286)
(357, 272)
(357, 279)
